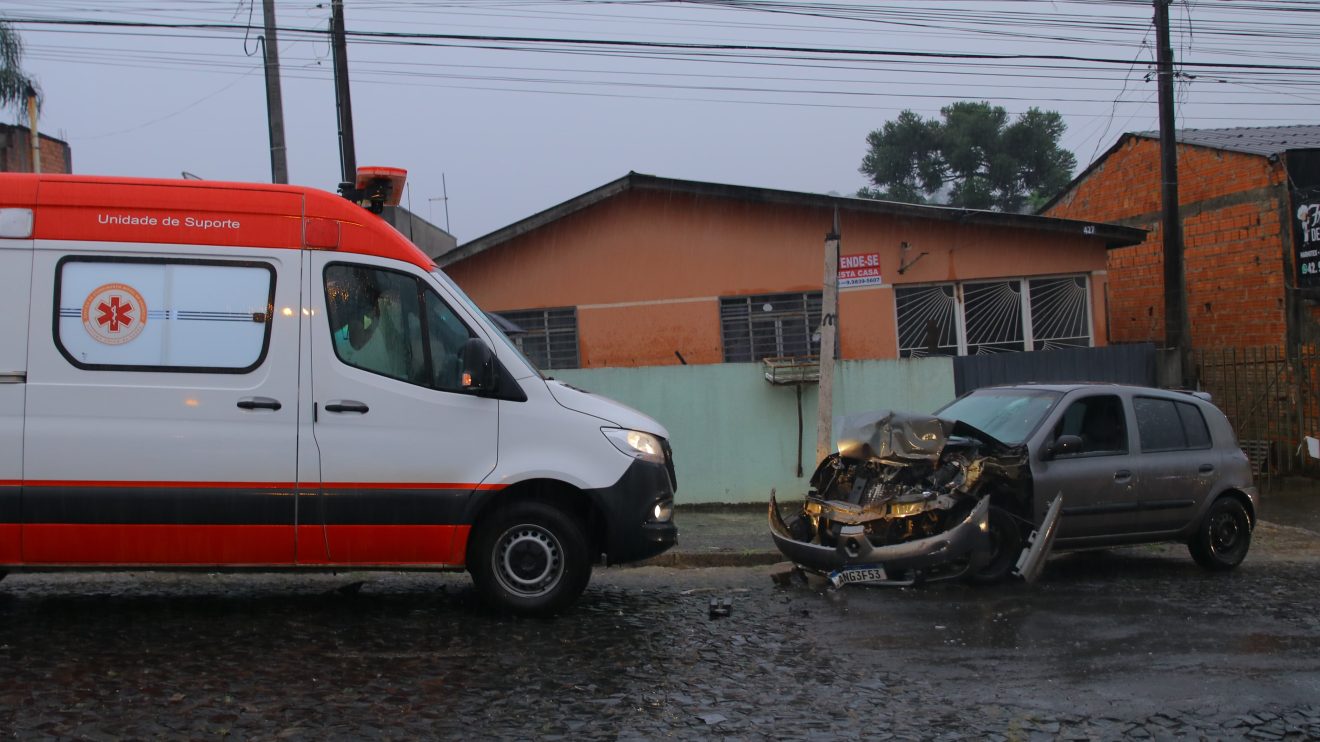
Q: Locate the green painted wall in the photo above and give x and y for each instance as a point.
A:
(735, 436)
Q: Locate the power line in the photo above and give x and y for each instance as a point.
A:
(421, 38)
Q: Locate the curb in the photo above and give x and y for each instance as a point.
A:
(696, 560)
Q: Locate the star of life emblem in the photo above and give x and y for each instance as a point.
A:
(114, 313)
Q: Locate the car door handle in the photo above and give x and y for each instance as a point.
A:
(1206, 468)
(258, 403)
(346, 405)
(1122, 476)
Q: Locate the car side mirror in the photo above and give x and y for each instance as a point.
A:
(1064, 445)
(478, 364)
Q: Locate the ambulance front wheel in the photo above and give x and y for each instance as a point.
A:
(530, 557)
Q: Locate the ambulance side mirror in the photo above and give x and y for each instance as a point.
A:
(478, 364)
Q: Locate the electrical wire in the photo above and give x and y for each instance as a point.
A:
(668, 49)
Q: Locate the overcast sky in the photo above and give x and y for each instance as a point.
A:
(513, 127)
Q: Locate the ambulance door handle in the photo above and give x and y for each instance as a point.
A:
(346, 405)
(258, 403)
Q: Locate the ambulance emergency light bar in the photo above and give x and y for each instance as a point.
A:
(375, 188)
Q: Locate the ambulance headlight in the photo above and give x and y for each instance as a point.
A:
(637, 444)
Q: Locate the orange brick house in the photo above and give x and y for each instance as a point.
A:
(647, 271)
(1251, 233)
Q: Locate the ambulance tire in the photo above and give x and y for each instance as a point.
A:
(531, 558)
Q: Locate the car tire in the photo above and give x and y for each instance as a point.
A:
(530, 558)
(1223, 537)
(1005, 545)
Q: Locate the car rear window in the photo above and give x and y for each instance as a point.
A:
(1198, 434)
(1169, 425)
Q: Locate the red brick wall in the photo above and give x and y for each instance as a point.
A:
(1232, 237)
(16, 152)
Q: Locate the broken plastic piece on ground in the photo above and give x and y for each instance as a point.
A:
(1032, 559)
(720, 607)
(786, 574)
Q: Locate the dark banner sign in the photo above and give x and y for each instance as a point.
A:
(1304, 187)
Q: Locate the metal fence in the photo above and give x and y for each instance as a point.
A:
(1272, 400)
(1123, 364)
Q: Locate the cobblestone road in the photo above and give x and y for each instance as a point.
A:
(1136, 643)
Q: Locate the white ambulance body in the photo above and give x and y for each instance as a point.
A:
(198, 374)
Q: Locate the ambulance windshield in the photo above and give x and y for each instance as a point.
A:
(478, 312)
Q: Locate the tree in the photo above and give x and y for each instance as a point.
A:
(975, 158)
(14, 83)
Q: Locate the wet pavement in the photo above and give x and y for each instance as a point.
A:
(1136, 643)
(1293, 501)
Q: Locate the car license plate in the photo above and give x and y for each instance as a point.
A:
(858, 574)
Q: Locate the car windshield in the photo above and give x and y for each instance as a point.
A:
(1010, 415)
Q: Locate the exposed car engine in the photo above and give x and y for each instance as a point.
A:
(898, 479)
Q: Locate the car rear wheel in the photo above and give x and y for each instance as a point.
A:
(1005, 545)
(1222, 539)
(530, 557)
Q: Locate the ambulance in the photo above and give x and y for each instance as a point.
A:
(207, 375)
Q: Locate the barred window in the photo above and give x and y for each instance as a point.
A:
(992, 312)
(770, 326)
(927, 320)
(549, 337)
(1060, 313)
(993, 316)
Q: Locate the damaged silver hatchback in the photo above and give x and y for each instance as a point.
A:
(987, 486)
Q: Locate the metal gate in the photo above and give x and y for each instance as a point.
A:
(1272, 401)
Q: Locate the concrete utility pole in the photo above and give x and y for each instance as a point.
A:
(347, 152)
(279, 164)
(1176, 329)
(829, 312)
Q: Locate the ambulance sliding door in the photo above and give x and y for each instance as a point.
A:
(162, 405)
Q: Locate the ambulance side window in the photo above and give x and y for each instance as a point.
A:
(446, 335)
(152, 314)
(390, 323)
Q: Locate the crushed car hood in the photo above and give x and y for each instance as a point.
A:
(888, 435)
(910, 498)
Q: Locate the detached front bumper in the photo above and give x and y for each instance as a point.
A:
(962, 540)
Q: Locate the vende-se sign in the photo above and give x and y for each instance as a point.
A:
(859, 270)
